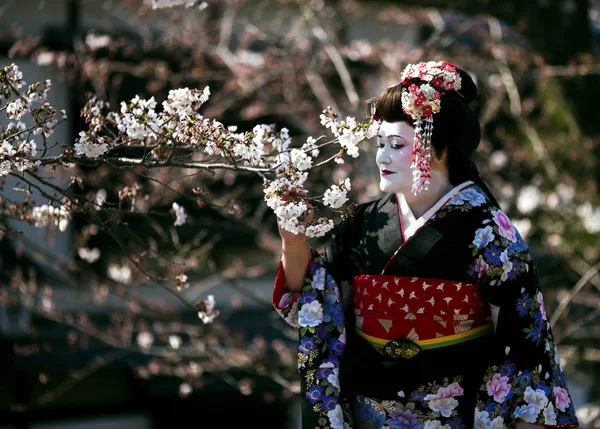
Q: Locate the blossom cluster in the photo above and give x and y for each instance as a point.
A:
(18, 151)
(176, 124)
(43, 215)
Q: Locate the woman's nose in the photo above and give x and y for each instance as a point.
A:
(382, 157)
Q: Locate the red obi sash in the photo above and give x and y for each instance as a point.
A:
(428, 313)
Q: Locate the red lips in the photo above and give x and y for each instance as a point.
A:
(386, 172)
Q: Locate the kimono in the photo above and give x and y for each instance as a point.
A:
(440, 326)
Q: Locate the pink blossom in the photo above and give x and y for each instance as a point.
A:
(480, 266)
(453, 389)
(562, 398)
(450, 85)
(498, 387)
(540, 299)
(505, 227)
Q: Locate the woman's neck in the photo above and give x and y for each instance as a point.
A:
(421, 203)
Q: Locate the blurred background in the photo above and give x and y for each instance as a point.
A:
(87, 341)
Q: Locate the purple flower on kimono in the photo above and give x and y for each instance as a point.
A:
(336, 346)
(322, 332)
(542, 386)
(308, 296)
(523, 305)
(323, 373)
(329, 402)
(314, 394)
(307, 345)
(403, 419)
(478, 268)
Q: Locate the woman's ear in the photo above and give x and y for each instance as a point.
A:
(443, 157)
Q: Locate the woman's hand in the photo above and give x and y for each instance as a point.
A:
(291, 239)
(295, 250)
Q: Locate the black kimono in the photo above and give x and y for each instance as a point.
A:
(443, 325)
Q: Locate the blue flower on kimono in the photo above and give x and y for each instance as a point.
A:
(319, 279)
(418, 396)
(323, 373)
(519, 245)
(528, 413)
(332, 361)
(538, 319)
(456, 201)
(564, 420)
(310, 314)
(542, 386)
(514, 271)
(535, 334)
(403, 419)
(315, 393)
(558, 376)
(507, 369)
(484, 236)
(336, 346)
(492, 255)
(333, 311)
(322, 332)
(307, 345)
(370, 416)
(455, 423)
(473, 197)
(489, 407)
(308, 297)
(523, 305)
(526, 378)
(329, 402)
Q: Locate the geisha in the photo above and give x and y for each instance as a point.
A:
(424, 310)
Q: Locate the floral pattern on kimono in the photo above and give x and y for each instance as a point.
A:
(526, 382)
(429, 407)
(318, 312)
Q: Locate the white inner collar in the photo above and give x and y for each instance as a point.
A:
(411, 224)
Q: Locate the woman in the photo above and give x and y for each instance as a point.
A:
(443, 324)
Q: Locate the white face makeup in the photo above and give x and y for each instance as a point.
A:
(395, 142)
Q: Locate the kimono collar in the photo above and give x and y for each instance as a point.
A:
(413, 223)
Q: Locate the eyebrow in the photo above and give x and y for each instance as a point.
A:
(391, 135)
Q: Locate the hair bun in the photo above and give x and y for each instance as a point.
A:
(468, 88)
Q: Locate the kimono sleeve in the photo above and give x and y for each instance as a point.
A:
(334, 258)
(524, 379)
